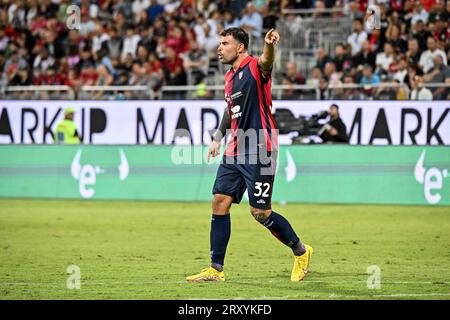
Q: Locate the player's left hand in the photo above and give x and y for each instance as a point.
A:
(214, 149)
(272, 37)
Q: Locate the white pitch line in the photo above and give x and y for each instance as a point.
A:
(333, 295)
(102, 282)
(395, 295)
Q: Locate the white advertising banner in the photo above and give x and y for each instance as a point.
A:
(146, 122)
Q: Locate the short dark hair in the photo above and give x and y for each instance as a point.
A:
(237, 33)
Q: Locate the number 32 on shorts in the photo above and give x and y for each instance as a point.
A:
(259, 186)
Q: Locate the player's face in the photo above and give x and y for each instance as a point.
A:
(228, 49)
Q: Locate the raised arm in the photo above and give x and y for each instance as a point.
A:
(268, 56)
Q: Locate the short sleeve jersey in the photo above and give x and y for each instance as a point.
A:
(249, 103)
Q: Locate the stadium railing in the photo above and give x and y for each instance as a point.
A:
(50, 92)
(143, 92)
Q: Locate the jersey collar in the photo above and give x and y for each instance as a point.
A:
(243, 63)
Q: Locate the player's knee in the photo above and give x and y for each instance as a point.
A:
(221, 204)
(260, 215)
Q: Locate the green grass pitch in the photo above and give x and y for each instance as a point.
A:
(144, 250)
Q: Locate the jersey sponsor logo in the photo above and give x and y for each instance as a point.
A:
(261, 201)
(236, 95)
(241, 74)
(236, 113)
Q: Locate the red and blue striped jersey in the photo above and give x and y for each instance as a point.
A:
(249, 102)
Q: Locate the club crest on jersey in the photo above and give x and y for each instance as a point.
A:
(236, 113)
(241, 74)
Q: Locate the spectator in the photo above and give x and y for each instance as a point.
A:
(155, 71)
(355, 10)
(105, 78)
(387, 92)
(4, 39)
(89, 7)
(270, 16)
(441, 33)
(316, 75)
(252, 21)
(173, 67)
(322, 58)
(393, 36)
(420, 92)
(130, 43)
(16, 69)
(207, 7)
(114, 44)
(86, 25)
(185, 10)
(138, 74)
(365, 56)
(159, 27)
(100, 35)
(209, 42)
(349, 93)
(437, 74)
(341, 59)
(369, 78)
(319, 9)
(376, 40)
(332, 74)
(88, 74)
(384, 59)
(177, 41)
(43, 60)
(196, 61)
(293, 74)
(421, 34)
(438, 12)
(47, 8)
(401, 73)
(230, 21)
(442, 93)
(292, 77)
(427, 57)
(419, 13)
(413, 53)
(323, 89)
(147, 38)
(139, 6)
(215, 20)
(356, 39)
(154, 10)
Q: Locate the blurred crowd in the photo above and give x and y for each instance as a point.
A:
(174, 42)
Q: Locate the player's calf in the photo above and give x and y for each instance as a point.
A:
(280, 228)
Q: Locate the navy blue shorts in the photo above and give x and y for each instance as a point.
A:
(255, 176)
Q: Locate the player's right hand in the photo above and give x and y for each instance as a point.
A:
(214, 149)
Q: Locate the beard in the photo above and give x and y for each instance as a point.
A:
(228, 60)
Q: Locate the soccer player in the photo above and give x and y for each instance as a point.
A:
(249, 159)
